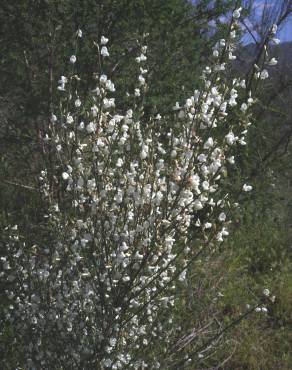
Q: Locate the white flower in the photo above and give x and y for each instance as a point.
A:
(222, 217)
(65, 176)
(231, 159)
(194, 180)
(173, 153)
(247, 188)
(189, 103)
(142, 80)
(104, 52)
(205, 185)
(108, 103)
(79, 33)
(77, 103)
(70, 119)
(53, 118)
(176, 107)
(264, 74)
(182, 276)
(198, 223)
(169, 241)
(103, 40)
(63, 79)
(243, 107)
(242, 84)
(62, 82)
(236, 13)
(110, 86)
(274, 28)
(144, 151)
(242, 141)
(264, 309)
(91, 127)
(81, 126)
(208, 70)
(73, 59)
(107, 362)
(215, 53)
(202, 158)
(103, 79)
(219, 237)
(266, 292)
(143, 57)
(137, 92)
(120, 162)
(96, 91)
(230, 138)
(198, 205)
(222, 42)
(273, 62)
(209, 143)
(231, 56)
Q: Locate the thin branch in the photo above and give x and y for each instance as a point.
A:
(28, 187)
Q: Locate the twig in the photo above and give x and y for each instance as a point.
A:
(8, 182)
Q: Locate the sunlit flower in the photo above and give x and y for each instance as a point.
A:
(230, 138)
(141, 80)
(264, 74)
(236, 13)
(104, 52)
(62, 83)
(73, 59)
(103, 40)
(209, 143)
(222, 217)
(274, 28)
(69, 119)
(273, 62)
(91, 127)
(247, 188)
(65, 176)
(103, 79)
(77, 103)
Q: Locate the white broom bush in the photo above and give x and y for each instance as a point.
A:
(130, 201)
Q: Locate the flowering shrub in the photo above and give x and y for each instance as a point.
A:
(130, 202)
